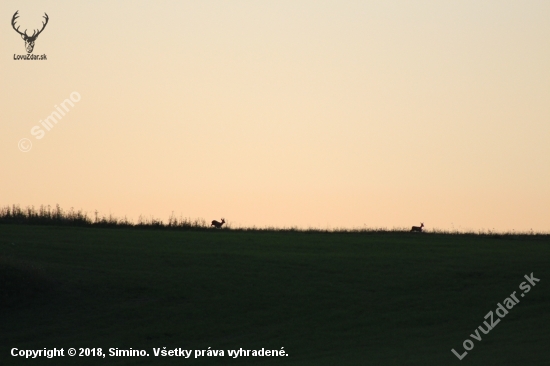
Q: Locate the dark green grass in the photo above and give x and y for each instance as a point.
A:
(327, 298)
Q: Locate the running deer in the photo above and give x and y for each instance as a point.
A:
(218, 224)
(417, 228)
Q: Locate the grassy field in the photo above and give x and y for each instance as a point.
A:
(390, 298)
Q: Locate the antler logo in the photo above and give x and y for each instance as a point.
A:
(29, 40)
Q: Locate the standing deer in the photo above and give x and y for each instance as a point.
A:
(29, 40)
(218, 224)
(417, 228)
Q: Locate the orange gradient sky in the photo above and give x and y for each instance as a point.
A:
(328, 114)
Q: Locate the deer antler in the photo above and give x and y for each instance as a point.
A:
(34, 34)
(43, 26)
(15, 16)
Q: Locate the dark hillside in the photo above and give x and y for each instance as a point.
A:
(327, 298)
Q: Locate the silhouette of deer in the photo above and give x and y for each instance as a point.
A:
(417, 228)
(29, 40)
(218, 224)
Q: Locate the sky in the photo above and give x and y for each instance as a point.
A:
(324, 114)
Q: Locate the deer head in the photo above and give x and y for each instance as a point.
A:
(29, 40)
